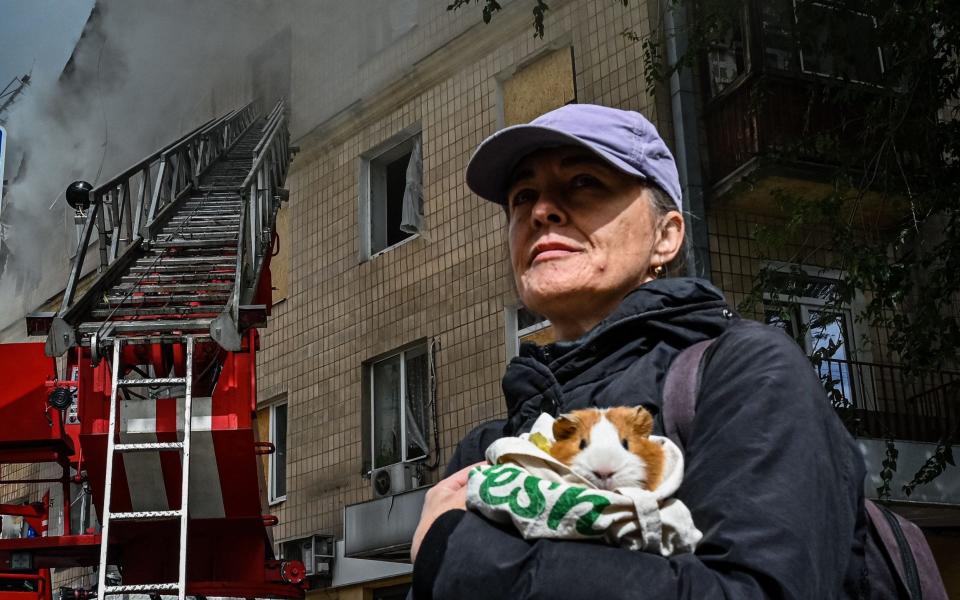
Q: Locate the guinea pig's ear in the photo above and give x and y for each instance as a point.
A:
(643, 422)
(565, 427)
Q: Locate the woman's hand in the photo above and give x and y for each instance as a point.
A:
(449, 494)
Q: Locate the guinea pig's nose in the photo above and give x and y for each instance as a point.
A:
(603, 473)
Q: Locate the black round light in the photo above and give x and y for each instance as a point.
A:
(78, 195)
(60, 398)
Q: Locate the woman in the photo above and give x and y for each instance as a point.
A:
(773, 480)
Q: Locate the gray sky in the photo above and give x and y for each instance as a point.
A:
(39, 34)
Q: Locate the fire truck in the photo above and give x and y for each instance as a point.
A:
(144, 393)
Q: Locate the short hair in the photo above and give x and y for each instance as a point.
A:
(662, 204)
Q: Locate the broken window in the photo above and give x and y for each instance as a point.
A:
(393, 205)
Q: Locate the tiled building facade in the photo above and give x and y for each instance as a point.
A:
(450, 284)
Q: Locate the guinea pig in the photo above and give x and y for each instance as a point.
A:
(610, 447)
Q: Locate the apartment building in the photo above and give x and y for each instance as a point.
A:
(394, 308)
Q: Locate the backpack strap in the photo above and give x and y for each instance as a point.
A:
(891, 534)
(680, 390)
(907, 549)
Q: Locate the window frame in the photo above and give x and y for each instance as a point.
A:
(503, 77)
(369, 163)
(514, 334)
(799, 47)
(756, 37)
(81, 508)
(271, 408)
(856, 352)
(369, 400)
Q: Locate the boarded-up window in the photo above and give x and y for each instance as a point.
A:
(539, 87)
(280, 264)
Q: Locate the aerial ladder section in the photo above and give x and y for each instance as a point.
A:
(155, 413)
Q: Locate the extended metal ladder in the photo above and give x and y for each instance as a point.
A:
(181, 266)
(113, 448)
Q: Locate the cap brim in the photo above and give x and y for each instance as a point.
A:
(493, 163)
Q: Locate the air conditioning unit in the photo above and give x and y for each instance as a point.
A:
(388, 481)
(316, 552)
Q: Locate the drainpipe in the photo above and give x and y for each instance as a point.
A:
(686, 148)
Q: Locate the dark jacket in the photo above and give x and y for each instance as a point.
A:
(773, 479)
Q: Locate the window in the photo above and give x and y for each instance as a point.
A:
(841, 43)
(818, 38)
(272, 427)
(726, 61)
(799, 307)
(280, 261)
(82, 515)
(391, 194)
(397, 407)
(526, 326)
(537, 87)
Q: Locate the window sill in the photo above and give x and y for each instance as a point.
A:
(277, 501)
(402, 242)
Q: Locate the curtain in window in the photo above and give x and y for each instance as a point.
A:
(418, 395)
(411, 220)
(386, 412)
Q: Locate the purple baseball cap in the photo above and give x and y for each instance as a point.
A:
(623, 138)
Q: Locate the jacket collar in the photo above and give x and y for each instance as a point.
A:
(687, 307)
(637, 341)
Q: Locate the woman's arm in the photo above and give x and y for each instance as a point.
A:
(773, 481)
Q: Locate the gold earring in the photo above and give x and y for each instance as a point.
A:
(658, 271)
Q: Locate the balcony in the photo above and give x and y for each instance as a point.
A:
(777, 119)
(886, 402)
(773, 89)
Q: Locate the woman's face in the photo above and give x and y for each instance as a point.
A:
(582, 235)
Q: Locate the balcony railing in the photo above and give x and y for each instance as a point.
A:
(783, 117)
(886, 401)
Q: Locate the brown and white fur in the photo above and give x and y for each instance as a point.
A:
(610, 448)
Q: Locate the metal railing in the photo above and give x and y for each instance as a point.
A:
(160, 179)
(887, 401)
(124, 223)
(261, 191)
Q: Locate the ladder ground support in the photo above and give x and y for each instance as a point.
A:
(113, 448)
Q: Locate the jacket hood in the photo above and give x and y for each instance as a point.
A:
(622, 360)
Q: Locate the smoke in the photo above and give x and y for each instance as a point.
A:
(143, 74)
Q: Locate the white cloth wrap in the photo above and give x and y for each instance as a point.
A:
(543, 498)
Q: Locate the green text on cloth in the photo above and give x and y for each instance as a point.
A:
(502, 485)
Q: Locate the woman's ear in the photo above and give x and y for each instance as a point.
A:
(670, 232)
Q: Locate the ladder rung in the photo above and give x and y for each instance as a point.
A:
(141, 589)
(148, 446)
(156, 381)
(146, 515)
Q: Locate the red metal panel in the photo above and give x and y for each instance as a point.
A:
(29, 430)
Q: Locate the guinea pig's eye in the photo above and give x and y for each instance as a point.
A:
(626, 446)
(583, 444)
